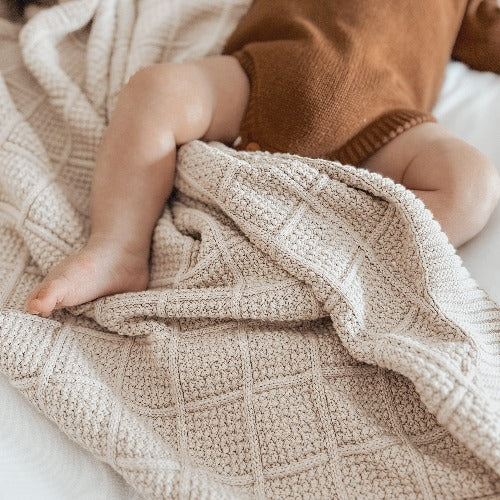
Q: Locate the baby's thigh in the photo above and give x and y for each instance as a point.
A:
(429, 158)
(394, 158)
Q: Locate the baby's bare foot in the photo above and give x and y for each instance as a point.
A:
(95, 271)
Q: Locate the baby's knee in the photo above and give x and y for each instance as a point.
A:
(175, 95)
(202, 99)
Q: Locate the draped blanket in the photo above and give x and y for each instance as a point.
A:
(308, 331)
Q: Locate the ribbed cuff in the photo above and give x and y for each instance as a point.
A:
(378, 133)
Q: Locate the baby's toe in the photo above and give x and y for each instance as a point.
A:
(49, 295)
(35, 306)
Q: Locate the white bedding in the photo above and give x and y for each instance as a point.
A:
(38, 461)
(469, 106)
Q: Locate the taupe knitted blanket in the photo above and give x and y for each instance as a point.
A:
(308, 331)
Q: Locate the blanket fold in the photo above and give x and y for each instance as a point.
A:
(308, 330)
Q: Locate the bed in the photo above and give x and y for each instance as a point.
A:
(37, 460)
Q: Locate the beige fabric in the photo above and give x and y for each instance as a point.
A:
(308, 333)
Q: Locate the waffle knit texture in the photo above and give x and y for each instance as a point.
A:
(339, 79)
(308, 332)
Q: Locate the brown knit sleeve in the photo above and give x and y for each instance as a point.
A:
(478, 41)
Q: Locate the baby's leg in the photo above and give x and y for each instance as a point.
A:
(162, 106)
(455, 181)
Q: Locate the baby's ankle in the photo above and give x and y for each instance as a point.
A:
(118, 245)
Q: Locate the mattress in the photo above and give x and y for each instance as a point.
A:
(38, 461)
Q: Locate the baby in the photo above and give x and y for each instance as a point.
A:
(344, 80)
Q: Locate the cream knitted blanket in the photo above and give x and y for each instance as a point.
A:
(308, 331)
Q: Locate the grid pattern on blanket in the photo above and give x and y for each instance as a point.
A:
(309, 332)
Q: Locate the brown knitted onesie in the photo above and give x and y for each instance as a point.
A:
(338, 79)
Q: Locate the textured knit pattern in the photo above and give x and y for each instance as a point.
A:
(308, 331)
(338, 79)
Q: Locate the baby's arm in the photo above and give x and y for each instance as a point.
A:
(478, 42)
(160, 108)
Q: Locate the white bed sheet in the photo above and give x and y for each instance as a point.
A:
(38, 461)
(469, 106)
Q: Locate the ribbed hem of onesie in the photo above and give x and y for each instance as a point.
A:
(356, 150)
(378, 133)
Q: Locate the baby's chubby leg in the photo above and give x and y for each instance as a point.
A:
(162, 106)
(459, 185)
